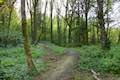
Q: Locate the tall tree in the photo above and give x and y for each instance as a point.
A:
(87, 7)
(59, 26)
(44, 22)
(70, 19)
(35, 27)
(30, 8)
(65, 25)
(101, 21)
(11, 7)
(31, 66)
(51, 20)
(108, 20)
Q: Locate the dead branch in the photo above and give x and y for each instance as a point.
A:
(95, 75)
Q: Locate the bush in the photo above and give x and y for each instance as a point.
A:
(11, 39)
(92, 57)
(13, 63)
(2, 73)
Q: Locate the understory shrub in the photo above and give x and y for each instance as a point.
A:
(13, 65)
(92, 57)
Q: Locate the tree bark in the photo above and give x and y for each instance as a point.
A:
(59, 28)
(35, 29)
(87, 7)
(104, 38)
(65, 24)
(44, 29)
(31, 66)
(86, 27)
(51, 21)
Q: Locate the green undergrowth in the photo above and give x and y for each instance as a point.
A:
(13, 64)
(57, 49)
(92, 57)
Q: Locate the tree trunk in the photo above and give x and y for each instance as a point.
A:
(44, 29)
(93, 36)
(65, 24)
(31, 66)
(59, 29)
(51, 21)
(87, 7)
(69, 34)
(35, 29)
(86, 28)
(104, 39)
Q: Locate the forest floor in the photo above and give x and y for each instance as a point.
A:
(63, 68)
(61, 71)
(52, 60)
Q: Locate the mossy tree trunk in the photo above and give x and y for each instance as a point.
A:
(28, 56)
(35, 27)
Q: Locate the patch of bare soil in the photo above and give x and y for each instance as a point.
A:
(60, 69)
(51, 59)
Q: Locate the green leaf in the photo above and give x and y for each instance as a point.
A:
(1, 1)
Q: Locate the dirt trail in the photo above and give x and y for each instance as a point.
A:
(64, 68)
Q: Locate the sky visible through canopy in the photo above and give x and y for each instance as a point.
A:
(114, 14)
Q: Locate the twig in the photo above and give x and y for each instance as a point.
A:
(95, 75)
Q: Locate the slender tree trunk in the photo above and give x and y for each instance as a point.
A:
(59, 29)
(78, 25)
(93, 37)
(51, 21)
(108, 26)
(87, 7)
(64, 34)
(70, 28)
(31, 66)
(104, 38)
(82, 30)
(29, 6)
(35, 29)
(31, 22)
(65, 25)
(86, 28)
(44, 30)
(69, 34)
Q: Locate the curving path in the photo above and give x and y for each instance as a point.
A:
(64, 68)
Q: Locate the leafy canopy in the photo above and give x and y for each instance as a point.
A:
(1, 1)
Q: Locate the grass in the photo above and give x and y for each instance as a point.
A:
(57, 49)
(14, 67)
(92, 57)
(13, 61)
